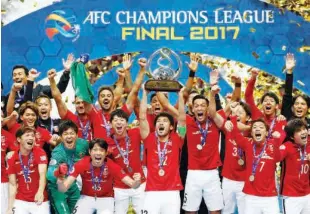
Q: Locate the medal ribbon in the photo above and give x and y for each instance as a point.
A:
(271, 128)
(256, 160)
(161, 153)
(71, 163)
(106, 125)
(20, 97)
(302, 156)
(125, 155)
(96, 180)
(26, 169)
(204, 132)
(85, 129)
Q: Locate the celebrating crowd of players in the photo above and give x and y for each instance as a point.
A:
(90, 161)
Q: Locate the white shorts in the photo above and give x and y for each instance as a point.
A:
(4, 197)
(296, 205)
(88, 205)
(206, 184)
(122, 197)
(79, 182)
(258, 205)
(233, 196)
(25, 207)
(162, 202)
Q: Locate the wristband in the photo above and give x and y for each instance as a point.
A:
(192, 73)
(237, 84)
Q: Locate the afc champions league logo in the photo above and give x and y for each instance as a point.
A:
(61, 22)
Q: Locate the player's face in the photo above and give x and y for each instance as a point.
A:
(44, 107)
(29, 117)
(97, 155)
(241, 114)
(156, 106)
(269, 106)
(163, 126)
(105, 100)
(200, 109)
(19, 76)
(27, 140)
(69, 138)
(301, 136)
(259, 132)
(119, 125)
(300, 107)
(79, 106)
(190, 100)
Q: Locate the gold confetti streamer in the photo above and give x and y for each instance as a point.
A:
(255, 55)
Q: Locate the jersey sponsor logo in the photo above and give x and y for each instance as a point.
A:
(53, 162)
(198, 132)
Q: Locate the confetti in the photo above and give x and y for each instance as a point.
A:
(253, 30)
(300, 83)
(283, 48)
(255, 55)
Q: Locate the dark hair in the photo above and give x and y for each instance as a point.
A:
(105, 88)
(259, 120)
(272, 95)
(21, 66)
(24, 129)
(294, 126)
(152, 96)
(67, 124)
(246, 108)
(164, 114)
(193, 92)
(102, 143)
(28, 105)
(304, 97)
(199, 96)
(119, 113)
(41, 97)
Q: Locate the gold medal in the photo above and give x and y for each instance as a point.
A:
(252, 178)
(161, 172)
(241, 162)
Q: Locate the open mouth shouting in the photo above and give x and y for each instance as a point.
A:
(161, 130)
(200, 116)
(258, 136)
(44, 114)
(30, 143)
(157, 110)
(299, 113)
(98, 159)
(304, 138)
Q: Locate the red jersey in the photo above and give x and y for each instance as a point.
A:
(134, 148)
(264, 182)
(110, 172)
(209, 157)
(295, 173)
(101, 122)
(42, 135)
(81, 124)
(27, 191)
(8, 142)
(233, 153)
(273, 123)
(171, 179)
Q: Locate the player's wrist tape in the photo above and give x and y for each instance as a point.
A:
(192, 73)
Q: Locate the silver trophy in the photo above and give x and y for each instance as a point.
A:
(168, 68)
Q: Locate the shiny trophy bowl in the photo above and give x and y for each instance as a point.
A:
(168, 68)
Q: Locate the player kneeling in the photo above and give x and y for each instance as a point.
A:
(97, 172)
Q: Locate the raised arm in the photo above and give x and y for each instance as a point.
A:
(217, 118)
(11, 100)
(287, 101)
(182, 115)
(39, 197)
(163, 100)
(249, 97)
(132, 99)
(127, 63)
(61, 106)
(231, 126)
(236, 95)
(119, 89)
(144, 124)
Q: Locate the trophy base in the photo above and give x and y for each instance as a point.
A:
(163, 85)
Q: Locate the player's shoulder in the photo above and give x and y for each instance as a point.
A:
(134, 132)
(82, 144)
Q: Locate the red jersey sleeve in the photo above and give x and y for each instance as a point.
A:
(12, 144)
(147, 140)
(240, 139)
(40, 155)
(249, 99)
(116, 170)
(14, 128)
(79, 167)
(70, 116)
(126, 110)
(283, 149)
(10, 164)
(46, 135)
(94, 117)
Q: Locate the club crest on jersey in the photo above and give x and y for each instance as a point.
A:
(282, 147)
(42, 158)
(105, 171)
(53, 162)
